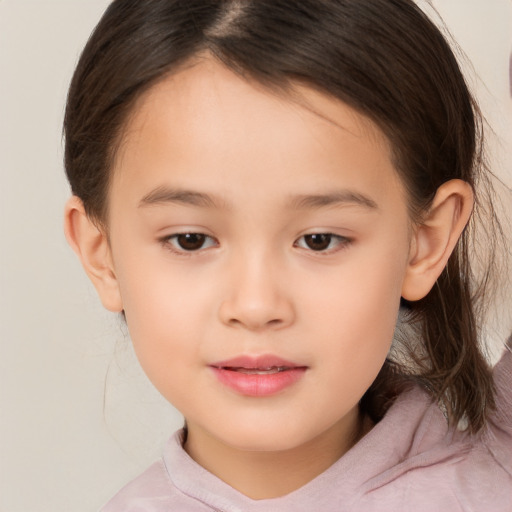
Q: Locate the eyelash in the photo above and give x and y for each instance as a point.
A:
(173, 244)
(342, 242)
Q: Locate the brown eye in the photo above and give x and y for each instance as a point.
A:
(322, 242)
(318, 242)
(189, 242)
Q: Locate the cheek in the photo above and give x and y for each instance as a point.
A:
(358, 308)
(363, 292)
(165, 310)
(164, 335)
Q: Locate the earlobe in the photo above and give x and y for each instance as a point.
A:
(435, 238)
(90, 243)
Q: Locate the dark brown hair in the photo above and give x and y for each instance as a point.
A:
(386, 59)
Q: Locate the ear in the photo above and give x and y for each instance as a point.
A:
(435, 238)
(91, 245)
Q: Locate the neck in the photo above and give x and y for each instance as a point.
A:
(271, 474)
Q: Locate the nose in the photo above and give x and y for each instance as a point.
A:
(257, 297)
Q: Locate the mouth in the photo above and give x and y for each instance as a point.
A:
(257, 371)
(258, 376)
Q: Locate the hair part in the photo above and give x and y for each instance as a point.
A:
(384, 58)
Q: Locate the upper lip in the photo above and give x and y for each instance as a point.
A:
(259, 362)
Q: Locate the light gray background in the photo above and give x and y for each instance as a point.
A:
(77, 417)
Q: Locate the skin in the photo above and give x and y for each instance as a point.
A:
(255, 287)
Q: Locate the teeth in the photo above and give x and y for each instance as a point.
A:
(260, 371)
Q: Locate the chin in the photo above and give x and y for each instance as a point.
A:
(266, 439)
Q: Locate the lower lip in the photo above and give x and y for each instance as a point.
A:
(260, 384)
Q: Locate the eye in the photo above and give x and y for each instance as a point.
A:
(322, 242)
(189, 242)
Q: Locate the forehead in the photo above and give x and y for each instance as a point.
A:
(207, 124)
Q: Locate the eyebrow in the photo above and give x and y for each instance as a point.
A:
(340, 197)
(163, 195)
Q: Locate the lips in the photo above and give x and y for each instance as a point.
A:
(258, 376)
(259, 371)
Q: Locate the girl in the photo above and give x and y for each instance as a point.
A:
(260, 187)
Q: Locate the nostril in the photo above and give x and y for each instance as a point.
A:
(254, 310)
(255, 324)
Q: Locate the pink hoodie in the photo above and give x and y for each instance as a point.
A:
(409, 461)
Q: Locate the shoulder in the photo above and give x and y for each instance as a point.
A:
(503, 381)
(152, 491)
(441, 469)
(498, 435)
(474, 472)
(150, 486)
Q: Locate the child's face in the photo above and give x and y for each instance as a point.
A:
(257, 176)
